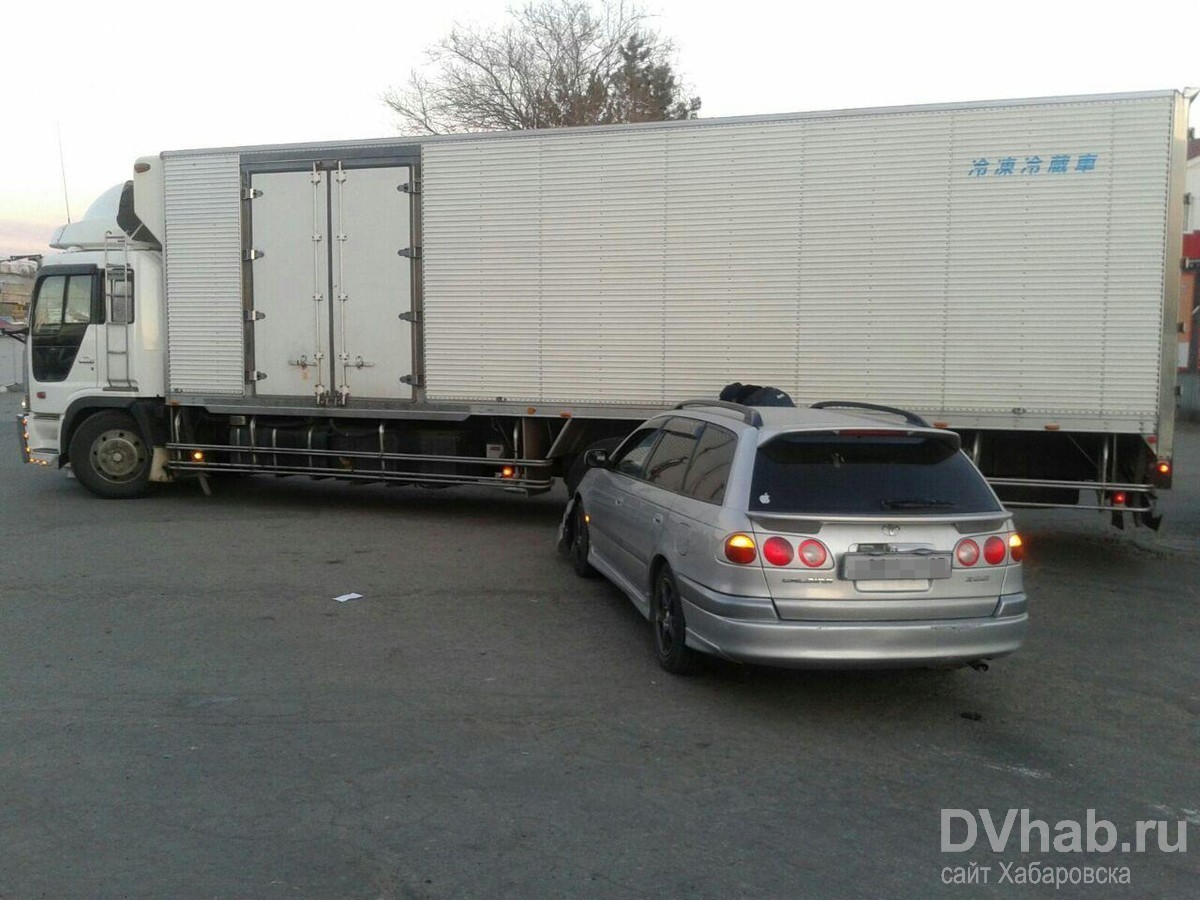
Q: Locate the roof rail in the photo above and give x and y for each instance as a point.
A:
(748, 414)
(910, 418)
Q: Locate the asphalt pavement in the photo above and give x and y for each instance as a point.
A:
(186, 711)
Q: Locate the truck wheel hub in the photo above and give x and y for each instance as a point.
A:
(116, 455)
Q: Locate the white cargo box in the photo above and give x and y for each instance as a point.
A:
(976, 259)
(979, 258)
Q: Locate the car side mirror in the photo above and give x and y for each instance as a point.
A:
(596, 459)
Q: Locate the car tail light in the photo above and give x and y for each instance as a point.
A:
(1016, 547)
(740, 549)
(777, 551)
(812, 553)
(967, 552)
(994, 551)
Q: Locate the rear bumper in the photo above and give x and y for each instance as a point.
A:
(777, 642)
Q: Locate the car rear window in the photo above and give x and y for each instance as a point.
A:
(866, 474)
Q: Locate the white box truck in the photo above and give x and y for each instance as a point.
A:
(479, 309)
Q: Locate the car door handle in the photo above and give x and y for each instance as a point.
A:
(620, 501)
(658, 519)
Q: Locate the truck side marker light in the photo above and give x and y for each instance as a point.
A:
(507, 472)
(1164, 468)
(198, 455)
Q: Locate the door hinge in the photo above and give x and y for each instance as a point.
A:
(410, 380)
(252, 255)
(254, 315)
(255, 375)
(411, 252)
(409, 187)
(251, 193)
(410, 316)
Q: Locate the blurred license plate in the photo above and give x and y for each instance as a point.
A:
(895, 566)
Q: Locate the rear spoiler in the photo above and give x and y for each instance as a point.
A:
(807, 523)
(867, 431)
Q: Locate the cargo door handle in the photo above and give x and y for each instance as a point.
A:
(87, 360)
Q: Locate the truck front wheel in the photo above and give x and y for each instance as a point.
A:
(110, 456)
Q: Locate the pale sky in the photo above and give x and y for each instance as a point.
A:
(125, 80)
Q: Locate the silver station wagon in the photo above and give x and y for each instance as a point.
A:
(844, 534)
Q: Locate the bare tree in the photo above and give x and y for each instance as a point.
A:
(555, 63)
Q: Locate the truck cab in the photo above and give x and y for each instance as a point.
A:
(96, 329)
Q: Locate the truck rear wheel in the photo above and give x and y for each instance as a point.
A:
(110, 456)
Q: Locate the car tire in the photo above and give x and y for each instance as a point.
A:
(110, 456)
(670, 629)
(581, 542)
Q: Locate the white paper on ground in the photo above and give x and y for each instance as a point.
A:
(345, 597)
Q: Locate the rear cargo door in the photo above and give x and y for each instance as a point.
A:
(290, 224)
(373, 258)
(333, 283)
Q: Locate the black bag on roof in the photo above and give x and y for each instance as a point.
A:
(755, 395)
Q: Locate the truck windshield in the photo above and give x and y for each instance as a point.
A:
(864, 475)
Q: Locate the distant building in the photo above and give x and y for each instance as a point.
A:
(16, 284)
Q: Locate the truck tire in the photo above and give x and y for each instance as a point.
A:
(110, 456)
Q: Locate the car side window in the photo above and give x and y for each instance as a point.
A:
(669, 462)
(709, 472)
(630, 458)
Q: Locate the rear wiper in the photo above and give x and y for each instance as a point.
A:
(915, 503)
